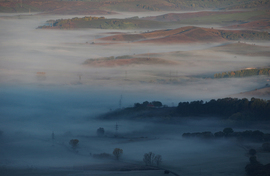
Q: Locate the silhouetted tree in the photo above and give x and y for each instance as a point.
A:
(100, 131)
(254, 168)
(157, 103)
(148, 158)
(74, 143)
(158, 159)
(227, 131)
(117, 152)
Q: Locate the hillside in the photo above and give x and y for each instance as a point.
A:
(106, 6)
(263, 25)
(223, 18)
(52, 7)
(244, 49)
(232, 109)
(100, 23)
(193, 16)
(126, 61)
(260, 93)
(190, 34)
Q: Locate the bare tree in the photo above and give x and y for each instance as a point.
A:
(158, 159)
(148, 158)
(117, 153)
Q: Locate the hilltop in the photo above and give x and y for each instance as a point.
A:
(189, 34)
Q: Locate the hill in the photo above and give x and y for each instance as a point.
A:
(233, 109)
(263, 25)
(100, 23)
(190, 34)
(52, 7)
(244, 49)
(126, 61)
(106, 6)
(223, 18)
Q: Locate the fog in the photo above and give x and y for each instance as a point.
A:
(45, 89)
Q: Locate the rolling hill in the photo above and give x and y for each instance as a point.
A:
(106, 6)
(189, 34)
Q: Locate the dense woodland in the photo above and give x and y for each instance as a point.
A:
(229, 108)
(233, 109)
(243, 73)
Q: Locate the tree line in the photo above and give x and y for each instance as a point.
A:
(230, 108)
(247, 135)
(243, 73)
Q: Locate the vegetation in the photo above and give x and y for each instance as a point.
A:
(248, 135)
(102, 156)
(255, 168)
(150, 158)
(243, 73)
(153, 104)
(230, 108)
(117, 152)
(100, 23)
(233, 109)
(74, 143)
(100, 131)
(98, 6)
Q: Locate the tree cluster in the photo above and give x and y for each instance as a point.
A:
(255, 168)
(117, 152)
(232, 108)
(150, 159)
(74, 143)
(147, 7)
(243, 73)
(248, 135)
(147, 104)
(100, 131)
(247, 35)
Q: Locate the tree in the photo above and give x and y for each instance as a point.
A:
(117, 152)
(228, 131)
(74, 143)
(157, 103)
(100, 131)
(148, 158)
(158, 160)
